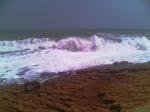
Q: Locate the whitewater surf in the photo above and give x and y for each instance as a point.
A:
(29, 58)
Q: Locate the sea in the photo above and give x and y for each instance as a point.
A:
(27, 54)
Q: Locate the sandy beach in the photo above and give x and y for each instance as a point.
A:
(121, 87)
(74, 56)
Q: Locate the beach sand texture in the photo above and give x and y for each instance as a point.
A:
(121, 87)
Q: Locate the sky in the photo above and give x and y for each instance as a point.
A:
(74, 14)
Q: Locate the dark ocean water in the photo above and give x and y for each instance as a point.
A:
(58, 34)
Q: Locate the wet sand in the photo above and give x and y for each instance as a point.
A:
(122, 87)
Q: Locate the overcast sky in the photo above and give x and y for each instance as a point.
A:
(65, 14)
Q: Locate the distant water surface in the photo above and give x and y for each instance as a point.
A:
(58, 34)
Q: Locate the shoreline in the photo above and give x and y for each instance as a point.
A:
(121, 87)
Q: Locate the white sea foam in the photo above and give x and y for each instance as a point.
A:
(30, 57)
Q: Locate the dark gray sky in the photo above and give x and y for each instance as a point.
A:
(53, 14)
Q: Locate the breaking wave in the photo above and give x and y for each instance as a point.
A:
(29, 58)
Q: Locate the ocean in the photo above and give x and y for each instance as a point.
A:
(26, 54)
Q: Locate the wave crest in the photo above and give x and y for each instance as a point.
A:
(98, 41)
(29, 58)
